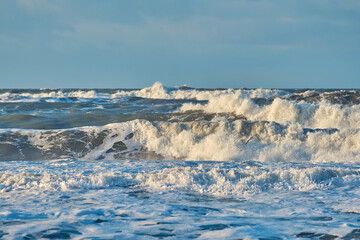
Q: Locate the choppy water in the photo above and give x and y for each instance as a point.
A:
(179, 163)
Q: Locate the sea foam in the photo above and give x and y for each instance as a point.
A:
(199, 140)
(179, 162)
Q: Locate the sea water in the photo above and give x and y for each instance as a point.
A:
(179, 163)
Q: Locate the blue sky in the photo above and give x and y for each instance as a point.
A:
(201, 43)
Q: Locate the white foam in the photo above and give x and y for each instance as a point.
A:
(51, 96)
(232, 180)
(132, 199)
(157, 90)
(52, 177)
(215, 140)
(241, 182)
(261, 141)
(320, 115)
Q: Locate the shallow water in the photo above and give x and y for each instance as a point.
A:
(179, 163)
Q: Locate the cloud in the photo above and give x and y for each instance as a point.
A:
(232, 26)
(289, 20)
(279, 47)
(31, 3)
(152, 32)
(11, 41)
(195, 35)
(50, 5)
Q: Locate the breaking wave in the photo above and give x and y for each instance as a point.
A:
(195, 140)
(266, 125)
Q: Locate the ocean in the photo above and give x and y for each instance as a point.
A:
(179, 163)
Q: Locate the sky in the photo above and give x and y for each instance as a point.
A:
(200, 43)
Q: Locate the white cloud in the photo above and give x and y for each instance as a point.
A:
(10, 40)
(31, 3)
(50, 5)
(152, 32)
(230, 26)
(279, 47)
(289, 20)
(197, 34)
